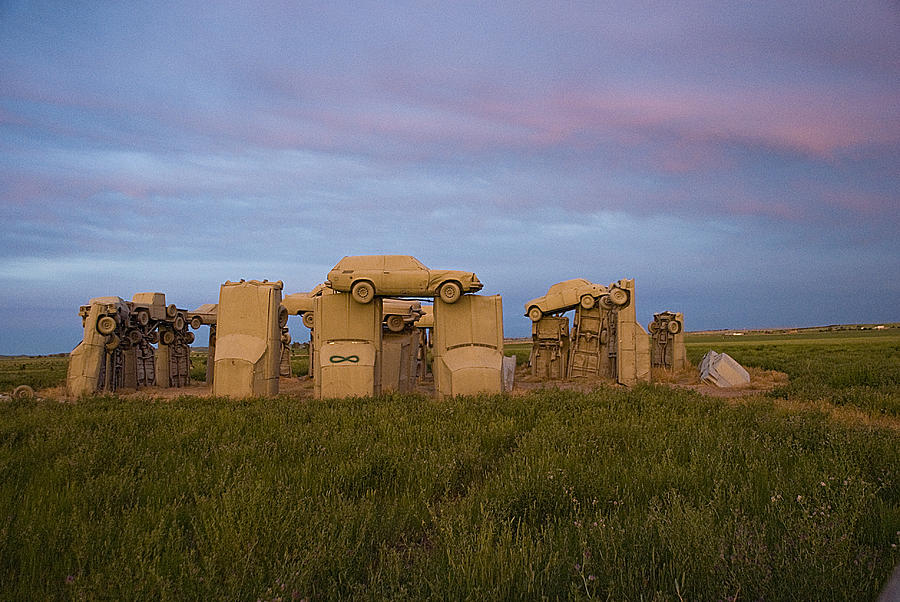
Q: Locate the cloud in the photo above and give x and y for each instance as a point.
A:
(725, 148)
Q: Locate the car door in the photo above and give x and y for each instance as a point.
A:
(404, 275)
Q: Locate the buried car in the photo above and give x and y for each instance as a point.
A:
(569, 294)
(365, 276)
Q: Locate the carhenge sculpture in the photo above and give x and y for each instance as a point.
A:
(667, 348)
(605, 339)
(117, 351)
(370, 333)
(349, 337)
(248, 338)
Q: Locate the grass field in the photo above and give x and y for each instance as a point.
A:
(849, 368)
(37, 372)
(648, 493)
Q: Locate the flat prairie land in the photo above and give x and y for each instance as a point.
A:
(648, 493)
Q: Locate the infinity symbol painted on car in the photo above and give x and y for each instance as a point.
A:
(337, 359)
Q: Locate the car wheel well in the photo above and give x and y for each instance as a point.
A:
(362, 281)
(454, 282)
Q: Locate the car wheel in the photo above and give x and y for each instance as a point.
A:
(535, 313)
(196, 322)
(106, 325)
(395, 323)
(135, 336)
(618, 296)
(167, 337)
(653, 327)
(179, 323)
(143, 317)
(171, 310)
(450, 292)
(606, 303)
(23, 392)
(308, 319)
(363, 291)
(282, 316)
(112, 342)
(674, 327)
(588, 302)
(189, 338)
(153, 337)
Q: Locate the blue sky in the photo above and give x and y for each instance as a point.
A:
(740, 160)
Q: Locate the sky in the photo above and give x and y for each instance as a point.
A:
(739, 160)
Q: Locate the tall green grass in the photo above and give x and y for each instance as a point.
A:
(862, 373)
(36, 372)
(522, 351)
(647, 493)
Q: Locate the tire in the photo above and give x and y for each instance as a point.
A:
(604, 336)
(188, 338)
(606, 303)
(588, 302)
(106, 325)
(618, 296)
(450, 292)
(309, 319)
(113, 342)
(196, 322)
(674, 326)
(134, 336)
(282, 316)
(535, 313)
(171, 310)
(395, 323)
(167, 337)
(179, 323)
(143, 317)
(153, 337)
(653, 327)
(362, 291)
(23, 392)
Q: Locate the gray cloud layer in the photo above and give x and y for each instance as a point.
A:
(739, 160)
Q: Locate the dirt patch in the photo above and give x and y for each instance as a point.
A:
(526, 383)
(761, 381)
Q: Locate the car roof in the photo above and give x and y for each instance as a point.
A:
(375, 262)
(361, 262)
(568, 283)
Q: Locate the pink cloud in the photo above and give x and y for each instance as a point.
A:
(803, 120)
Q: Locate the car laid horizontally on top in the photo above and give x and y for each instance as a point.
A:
(569, 294)
(368, 276)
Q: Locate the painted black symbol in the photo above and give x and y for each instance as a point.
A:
(337, 359)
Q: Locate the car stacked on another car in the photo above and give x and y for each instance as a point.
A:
(304, 304)
(398, 314)
(368, 276)
(569, 294)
